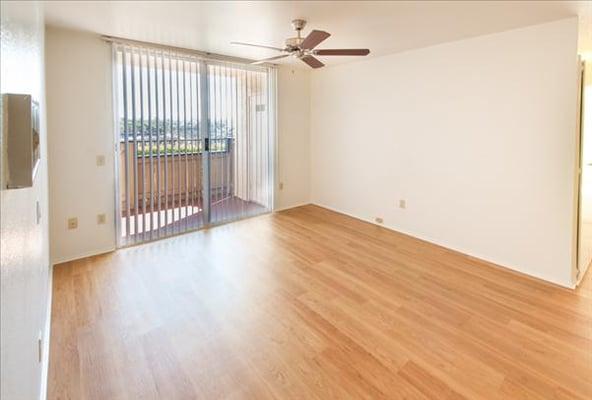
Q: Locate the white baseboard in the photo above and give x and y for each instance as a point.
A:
(292, 206)
(46, 339)
(91, 253)
(583, 273)
(458, 250)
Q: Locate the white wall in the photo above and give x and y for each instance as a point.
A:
(478, 136)
(80, 128)
(293, 137)
(24, 261)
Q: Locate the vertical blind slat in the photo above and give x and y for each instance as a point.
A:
(158, 169)
(223, 142)
(171, 145)
(196, 170)
(151, 167)
(143, 219)
(251, 130)
(177, 163)
(165, 192)
(134, 144)
(213, 153)
(126, 139)
(186, 149)
(191, 141)
(172, 141)
(227, 139)
(204, 109)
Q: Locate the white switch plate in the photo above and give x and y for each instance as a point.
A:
(38, 212)
(40, 347)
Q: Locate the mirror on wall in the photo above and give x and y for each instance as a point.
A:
(20, 133)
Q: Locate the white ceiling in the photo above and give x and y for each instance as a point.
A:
(384, 27)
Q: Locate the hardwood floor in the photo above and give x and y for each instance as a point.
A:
(310, 304)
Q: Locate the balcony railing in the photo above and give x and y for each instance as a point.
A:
(173, 178)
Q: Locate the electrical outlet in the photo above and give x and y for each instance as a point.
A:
(402, 204)
(72, 223)
(100, 160)
(281, 185)
(378, 220)
(101, 219)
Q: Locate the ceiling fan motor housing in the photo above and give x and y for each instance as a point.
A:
(294, 42)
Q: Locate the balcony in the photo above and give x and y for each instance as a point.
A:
(169, 197)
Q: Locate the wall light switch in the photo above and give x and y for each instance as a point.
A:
(101, 219)
(72, 223)
(100, 160)
(40, 347)
(281, 185)
(402, 204)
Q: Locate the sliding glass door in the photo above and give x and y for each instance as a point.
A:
(239, 142)
(195, 141)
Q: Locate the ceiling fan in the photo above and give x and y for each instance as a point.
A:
(304, 48)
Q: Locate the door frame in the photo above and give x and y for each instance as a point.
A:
(577, 274)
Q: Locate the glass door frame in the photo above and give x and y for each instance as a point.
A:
(204, 126)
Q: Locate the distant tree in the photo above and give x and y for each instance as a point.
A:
(170, 129)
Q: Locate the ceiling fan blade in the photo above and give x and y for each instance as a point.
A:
(342, 52)
(258, 45)
(313, 39)
(269, 59)
(313, 62)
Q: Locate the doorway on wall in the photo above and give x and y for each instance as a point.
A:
(195, 141)
(584, 225)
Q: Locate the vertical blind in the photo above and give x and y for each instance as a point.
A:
(195, 141)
